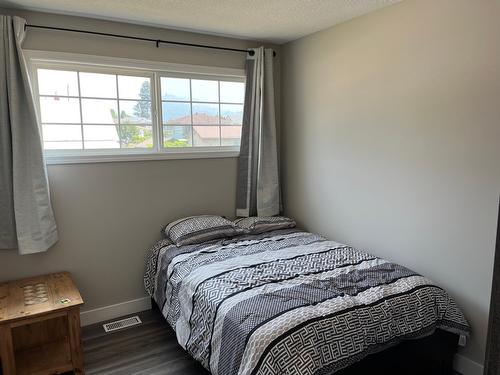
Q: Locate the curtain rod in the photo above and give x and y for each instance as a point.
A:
(156, 41)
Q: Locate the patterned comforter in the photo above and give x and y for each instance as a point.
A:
(290, 302)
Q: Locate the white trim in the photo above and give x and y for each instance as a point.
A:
(466, 366)
(105, 313)
(121, 62)
(80, 159)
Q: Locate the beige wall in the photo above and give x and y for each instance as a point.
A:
(110, 213)
(391, 141)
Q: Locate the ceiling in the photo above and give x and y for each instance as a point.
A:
(276, 21)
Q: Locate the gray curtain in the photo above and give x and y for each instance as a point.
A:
(492, 365)
(26, 217)
(258, 190)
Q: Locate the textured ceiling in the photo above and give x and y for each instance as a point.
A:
(275, 21)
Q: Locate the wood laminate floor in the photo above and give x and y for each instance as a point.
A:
(146, 349)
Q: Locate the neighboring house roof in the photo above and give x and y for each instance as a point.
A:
(205, 119)
(209, 132)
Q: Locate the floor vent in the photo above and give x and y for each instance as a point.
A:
(123, 323)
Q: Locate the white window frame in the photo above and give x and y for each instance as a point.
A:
(155, 70)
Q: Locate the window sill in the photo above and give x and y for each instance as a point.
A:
(179, 155)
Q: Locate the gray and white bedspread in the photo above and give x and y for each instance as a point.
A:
(291, 302)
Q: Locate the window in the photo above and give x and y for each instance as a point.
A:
(92, 112)
(85, 111)
(201, 112)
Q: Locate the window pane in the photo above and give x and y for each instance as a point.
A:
(231, 114)
(135, 112)
(53, 132)
(230, 135)
(59, 110)
(136, 136)
(177, 136)
(134, 87)
(101, 133)
(232, 92)
(62, 145)
(206, 135)
(101, 144)
(175, 89)
(176, 113)
(57, 82)
(96, 111)
(207, 114)
(205, 91)
(101, 136)
(98, 85)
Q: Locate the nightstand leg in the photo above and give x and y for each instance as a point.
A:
(7, 351)
(75, 340)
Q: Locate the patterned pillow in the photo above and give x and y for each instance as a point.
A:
(197, 229)
(261, 224)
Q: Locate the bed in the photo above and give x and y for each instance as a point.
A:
(293, 302)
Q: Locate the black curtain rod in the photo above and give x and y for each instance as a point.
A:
(156, 41)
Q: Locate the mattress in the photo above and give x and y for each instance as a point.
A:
(291, 302)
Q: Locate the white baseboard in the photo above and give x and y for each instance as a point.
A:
(102, 314)
(467, 366)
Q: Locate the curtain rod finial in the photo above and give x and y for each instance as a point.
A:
(251, 52)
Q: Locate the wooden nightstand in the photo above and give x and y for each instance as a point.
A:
(40, 326)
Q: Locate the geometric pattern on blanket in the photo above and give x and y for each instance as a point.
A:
(152, 263)
(230, 283)
(342, 343)
(317, 292)
(291, 302)
(225, 250)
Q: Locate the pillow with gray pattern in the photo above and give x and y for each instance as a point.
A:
(198, 229)
(261, 224)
